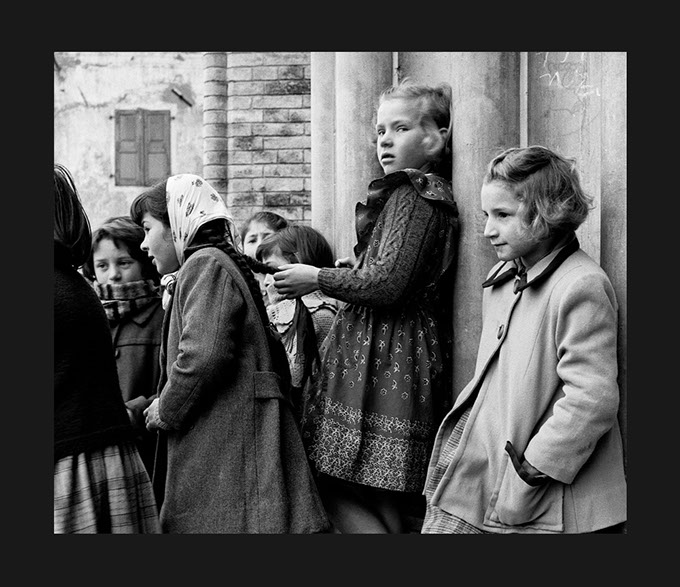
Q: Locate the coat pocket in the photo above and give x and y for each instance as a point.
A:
(516, 504)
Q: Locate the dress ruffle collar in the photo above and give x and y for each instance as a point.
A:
(428, 185)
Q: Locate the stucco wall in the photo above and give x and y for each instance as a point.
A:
(90, 86)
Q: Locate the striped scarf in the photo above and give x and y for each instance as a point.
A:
(121, 300)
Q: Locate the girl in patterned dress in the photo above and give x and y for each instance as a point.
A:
(385, 377)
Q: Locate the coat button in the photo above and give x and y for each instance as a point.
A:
(501, 329)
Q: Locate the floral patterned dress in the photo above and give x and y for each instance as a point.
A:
(372, 409)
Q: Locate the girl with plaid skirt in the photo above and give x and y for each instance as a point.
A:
(100, 482)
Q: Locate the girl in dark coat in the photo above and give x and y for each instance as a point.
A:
(100, 483)
(128, 286)
(235, 459)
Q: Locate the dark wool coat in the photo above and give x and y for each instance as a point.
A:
(88, 409)
(137, 343)
(235, 459)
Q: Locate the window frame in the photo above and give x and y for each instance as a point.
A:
(143, 146)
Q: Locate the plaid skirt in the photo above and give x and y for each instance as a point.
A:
(437, 521)
(104, 492)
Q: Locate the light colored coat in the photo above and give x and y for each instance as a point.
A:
(545, 380)
(235, 459)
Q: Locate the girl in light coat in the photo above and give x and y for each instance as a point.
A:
(532, 443)
(235, 460)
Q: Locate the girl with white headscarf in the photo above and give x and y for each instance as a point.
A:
(234, 459)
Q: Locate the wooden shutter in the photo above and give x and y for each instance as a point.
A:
(142, 146)
(129, 147)
(157, 145)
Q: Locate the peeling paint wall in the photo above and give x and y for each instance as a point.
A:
(90, 86)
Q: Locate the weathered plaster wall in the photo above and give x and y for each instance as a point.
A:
(90, 86)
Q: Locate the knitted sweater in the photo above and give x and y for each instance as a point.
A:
(89, 413)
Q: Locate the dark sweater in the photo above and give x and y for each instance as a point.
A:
(89, 413)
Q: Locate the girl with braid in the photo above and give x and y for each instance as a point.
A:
(235, 460)
(385, 377)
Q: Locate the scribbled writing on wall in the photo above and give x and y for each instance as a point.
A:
(568, 71)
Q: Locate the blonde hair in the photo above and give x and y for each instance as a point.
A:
(547, 185)
(435, 105)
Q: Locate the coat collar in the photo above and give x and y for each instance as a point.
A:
(539, 272)
(145, 314)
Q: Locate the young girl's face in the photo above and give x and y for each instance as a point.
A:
(113, 264)
(275, 259)
(401, 136)
(505, 228)
(256, 233)
(158, 244)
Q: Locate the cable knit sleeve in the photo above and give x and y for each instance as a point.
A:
(399, 257)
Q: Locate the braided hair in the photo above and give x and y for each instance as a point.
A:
(216, 233)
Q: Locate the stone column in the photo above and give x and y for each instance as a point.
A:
(565, 114)
(485, 92)
(323, 143)
(215, 151)
(352, 94)
(614, 226)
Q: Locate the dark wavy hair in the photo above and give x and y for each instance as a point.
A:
(547, 185)
(152, 201)
(298, 244)
(125, 233)
(71, 224)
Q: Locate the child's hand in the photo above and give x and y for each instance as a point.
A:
(296, 280)
(344, 262)
(152, 416)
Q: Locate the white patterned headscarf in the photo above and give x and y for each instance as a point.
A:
(192, 202)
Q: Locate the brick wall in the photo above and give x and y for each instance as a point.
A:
(269, 134)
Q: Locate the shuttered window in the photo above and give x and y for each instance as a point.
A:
(142, 146)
